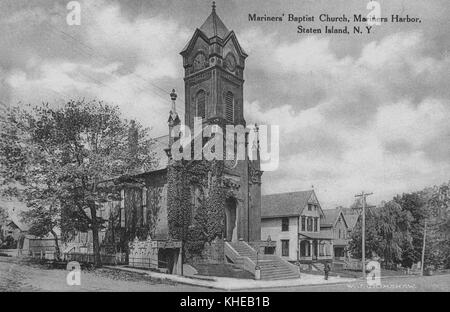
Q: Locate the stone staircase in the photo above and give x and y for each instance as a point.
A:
(277, 268)
(272, 267)
(244, 250)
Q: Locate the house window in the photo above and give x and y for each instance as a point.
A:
(309, 207)
(315, 224)
(309, 224)
(201, 104)
(285, 224)
(285, 247)
(327, 250)
(322, 249)
(303, 224)
(339, 233)
(229, 103)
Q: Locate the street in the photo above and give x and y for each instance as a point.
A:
(395, 284)
(17, 275)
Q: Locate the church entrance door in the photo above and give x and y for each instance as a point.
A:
(230, 219)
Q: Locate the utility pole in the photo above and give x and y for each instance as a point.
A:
(423, 246)
(363, 230)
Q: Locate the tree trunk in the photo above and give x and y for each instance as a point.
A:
(58, 251)
(96, 244)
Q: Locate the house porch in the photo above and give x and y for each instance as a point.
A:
(315, 247)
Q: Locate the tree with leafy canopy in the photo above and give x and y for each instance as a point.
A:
(416, 206)
(371, 237)
(437, 246)
(387, 233)
(393, 225)
(59, 161)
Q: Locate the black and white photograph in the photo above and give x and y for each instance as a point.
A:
(199, 146)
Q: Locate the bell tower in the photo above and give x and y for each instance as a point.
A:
(214, 63)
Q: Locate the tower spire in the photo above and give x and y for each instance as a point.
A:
(173, 121)
(214, 6)
(173, 97)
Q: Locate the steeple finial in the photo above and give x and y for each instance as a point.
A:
(173, 97)
(214, 6)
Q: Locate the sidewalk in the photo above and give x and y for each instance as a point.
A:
(225, 283)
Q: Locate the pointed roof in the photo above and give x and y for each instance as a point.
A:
(213, 26)
(285, 204)
(351, 221)
(331, 217)
(211, 30)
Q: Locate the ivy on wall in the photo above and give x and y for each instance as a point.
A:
(118, 237)
(179, 204)
(154, 197)
(208, 222)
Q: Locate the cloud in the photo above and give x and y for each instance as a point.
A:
(285, 116)
(119, 60)
(416, 125)
(370, 129)
(355, 113)
(147, 41)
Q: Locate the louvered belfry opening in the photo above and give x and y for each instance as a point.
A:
(229, 103)
(201, 104)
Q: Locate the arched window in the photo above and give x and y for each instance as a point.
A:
(229, 109)
(201, 104)
(197, 200)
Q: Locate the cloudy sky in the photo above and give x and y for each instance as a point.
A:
(356, 112)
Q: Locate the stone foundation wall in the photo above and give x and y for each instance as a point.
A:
(213, 253)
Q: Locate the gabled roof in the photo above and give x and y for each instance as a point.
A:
(351, 216)
(232, 36)
(351, 219)
(331, 217)
(12, 224)
(14, 208)
(285, 204)
(190, 43)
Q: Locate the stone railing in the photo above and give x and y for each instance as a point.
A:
(260, 245)
(245, 262)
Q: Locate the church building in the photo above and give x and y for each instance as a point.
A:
(196, 210)
(214, 64)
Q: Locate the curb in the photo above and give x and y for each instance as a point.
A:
(194, 281)
(167, 278)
